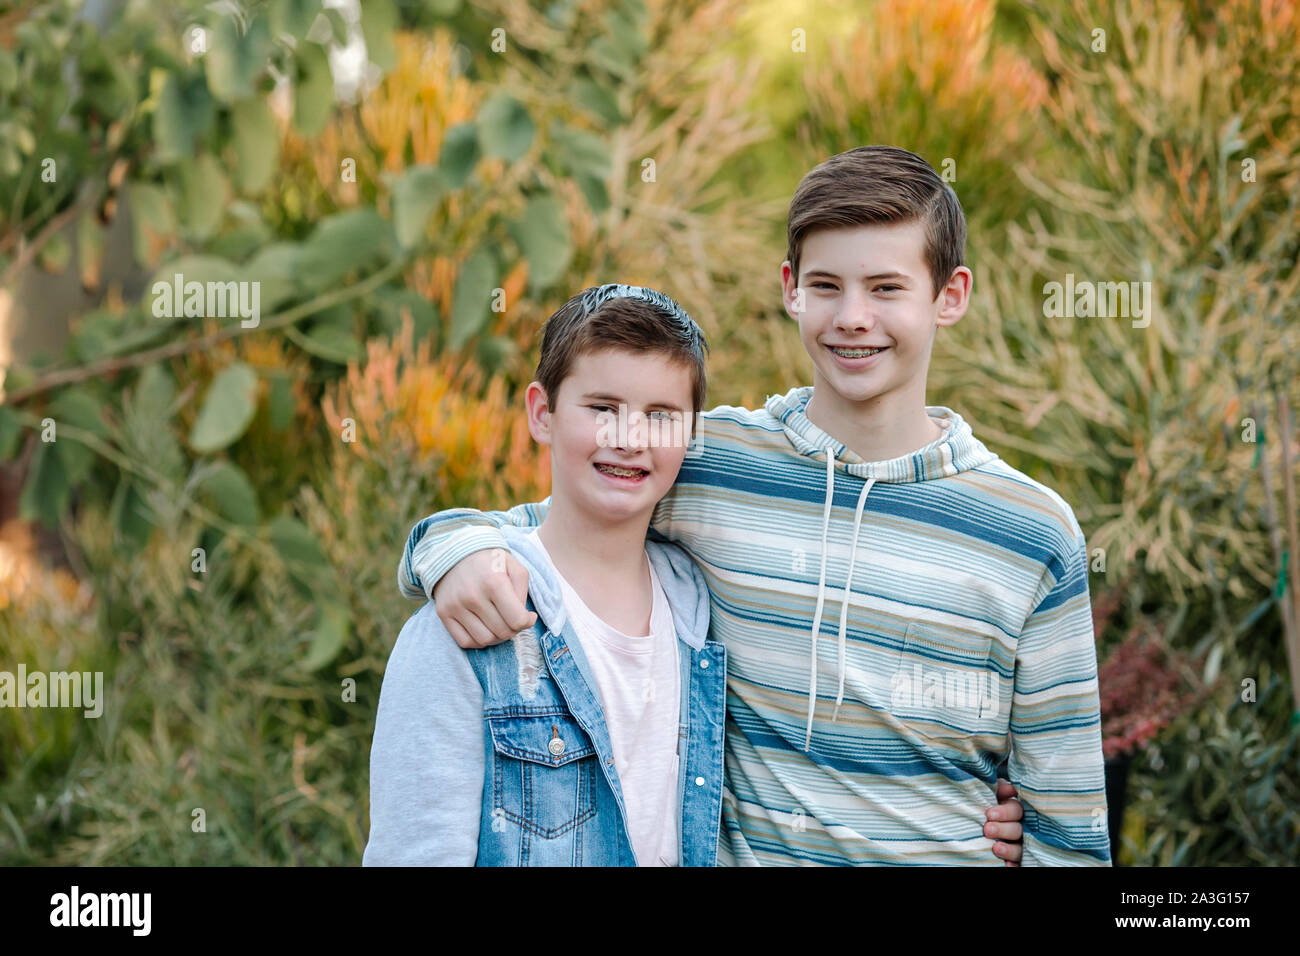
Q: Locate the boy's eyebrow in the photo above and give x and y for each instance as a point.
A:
(870, 278)
(620, 400)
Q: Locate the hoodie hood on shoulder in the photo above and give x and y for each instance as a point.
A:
(681, 579)
(957, 450)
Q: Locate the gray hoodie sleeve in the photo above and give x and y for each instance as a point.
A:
(426, 760)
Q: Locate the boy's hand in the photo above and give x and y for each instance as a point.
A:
(1005, 825)
(481, 600)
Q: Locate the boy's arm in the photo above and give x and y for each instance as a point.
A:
(442, 540)
(1056, 760)
(427, 758)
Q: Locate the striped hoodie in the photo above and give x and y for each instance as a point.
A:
(895, 630)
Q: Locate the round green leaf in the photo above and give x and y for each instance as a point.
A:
(504, 127)
(230, 492)
(227, 410)
(415, 196)
(460, 151)
(314, 90)
(183, 112)
(234, 59)
(328, 637)
(474, 285)
(543, 235)
(257, 144)
(378, 24)
(203, 192)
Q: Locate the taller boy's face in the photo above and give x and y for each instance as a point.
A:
(869, 317)
(616, 462)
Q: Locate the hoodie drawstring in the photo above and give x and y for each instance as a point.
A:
(821, 594)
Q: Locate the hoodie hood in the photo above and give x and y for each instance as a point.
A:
(681, 579)
(957, 450)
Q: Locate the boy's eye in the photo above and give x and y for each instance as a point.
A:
(822, 285)
(661, 416)
(889, 288)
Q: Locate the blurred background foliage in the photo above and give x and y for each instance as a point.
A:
(416, 193)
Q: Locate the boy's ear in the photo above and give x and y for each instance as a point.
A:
(789, 291)
(954, 298)
(539, 413)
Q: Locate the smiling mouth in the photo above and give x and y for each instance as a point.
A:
(856, 353)
(616, 471)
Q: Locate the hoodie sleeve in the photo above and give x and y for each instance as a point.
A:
(1055, 759)
(441, 541)
(427, 757)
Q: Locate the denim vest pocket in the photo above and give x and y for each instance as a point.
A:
(544, 771)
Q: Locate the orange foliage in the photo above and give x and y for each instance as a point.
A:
(404, 401)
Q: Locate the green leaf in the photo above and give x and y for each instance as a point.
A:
(594, 190)
(460, 152)
(596, 99)
(153, 220)
(543, 235)
(300, 551)
(328, 342)
(130, 513)
(389, 303)
(343, 242)
(8, 71)
(227, 410)
(77, 460)
(160, 298)
(276, 269)
(415, 197)
(203, 192)
(470, 303)
(313, 91)
(235, 60)
(46, 492)
(257, 144)
(582, 152)
(10, 431)
(74, 406)
(232, 495)
(282, 403)
(328, 637)
(378, 24)
(155, 392)
(183, 112)
(504, 127)
(293, 17)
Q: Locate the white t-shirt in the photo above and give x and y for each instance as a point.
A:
(639, 686)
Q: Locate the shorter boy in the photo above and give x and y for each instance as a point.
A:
(595, 737)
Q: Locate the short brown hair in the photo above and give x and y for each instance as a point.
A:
(630, 318)
(880, 184)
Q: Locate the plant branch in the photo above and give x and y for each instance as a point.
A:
(172, 349)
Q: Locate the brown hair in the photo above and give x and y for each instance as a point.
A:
(631, 318)
(880, 184)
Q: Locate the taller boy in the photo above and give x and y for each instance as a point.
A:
(963, 636)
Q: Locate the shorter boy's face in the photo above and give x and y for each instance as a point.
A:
(869, 315)
(618, 430)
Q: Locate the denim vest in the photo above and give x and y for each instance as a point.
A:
(551, 794)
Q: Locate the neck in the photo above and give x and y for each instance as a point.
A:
(588, 550)
(880, 428)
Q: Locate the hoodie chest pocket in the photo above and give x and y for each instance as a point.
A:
(544, 772)
(945, 687)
